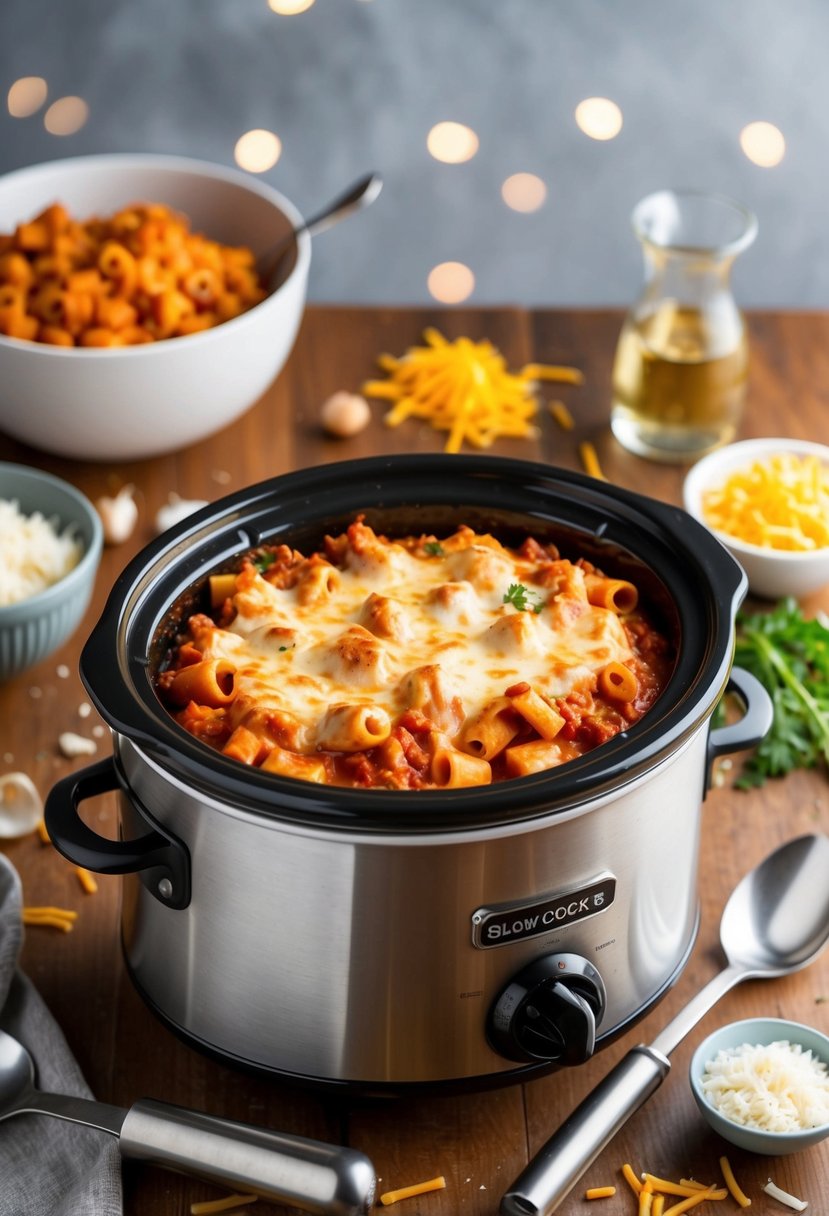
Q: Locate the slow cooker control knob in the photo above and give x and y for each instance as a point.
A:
(549, 1011)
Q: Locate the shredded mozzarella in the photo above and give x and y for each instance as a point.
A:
(791, 1201)
(33, 553)
(774, 1087)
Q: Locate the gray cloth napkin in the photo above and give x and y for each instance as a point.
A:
(48, 1167)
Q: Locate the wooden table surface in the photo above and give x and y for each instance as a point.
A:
(481, 1141)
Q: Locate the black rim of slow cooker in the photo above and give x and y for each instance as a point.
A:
(698, 575)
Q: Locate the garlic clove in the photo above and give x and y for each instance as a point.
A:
(175, 510)
(119, 515)
(76, 745)
(21, 807)
(345, 414)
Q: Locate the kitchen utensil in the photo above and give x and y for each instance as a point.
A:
(775, 922)
(576, 887)
(359, 195)
(322, 1178)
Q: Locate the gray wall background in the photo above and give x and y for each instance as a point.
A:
(352, 85)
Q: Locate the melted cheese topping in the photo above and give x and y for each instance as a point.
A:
(393, 612)
(413, 663)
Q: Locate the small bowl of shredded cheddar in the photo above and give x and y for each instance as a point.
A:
(767, 501)
(763, 1084)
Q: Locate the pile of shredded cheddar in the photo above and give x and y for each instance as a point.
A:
(778, 503)
(464, 388)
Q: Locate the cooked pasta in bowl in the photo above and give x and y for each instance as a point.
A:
(132, 318)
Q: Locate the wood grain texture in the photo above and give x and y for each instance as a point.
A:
(478, 1141)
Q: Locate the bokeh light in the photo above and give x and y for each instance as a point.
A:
(452, 142)
(599, 117)
(287, 8)
(66, 116)
(524, 192)
(257, 151)
(763, 143)
(26, 96)
(451, 282)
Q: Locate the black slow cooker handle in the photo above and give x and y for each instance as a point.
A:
(163, 861)
(751, 729)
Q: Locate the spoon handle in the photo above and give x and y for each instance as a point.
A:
(320, 1178)
(557, 1167)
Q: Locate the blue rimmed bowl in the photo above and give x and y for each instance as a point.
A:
(31, 629)
(757, 1031)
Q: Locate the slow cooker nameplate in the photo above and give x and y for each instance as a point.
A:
(531, 918)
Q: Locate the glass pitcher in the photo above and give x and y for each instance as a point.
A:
(681, 365)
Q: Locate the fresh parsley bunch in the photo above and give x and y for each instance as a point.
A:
(789, 655)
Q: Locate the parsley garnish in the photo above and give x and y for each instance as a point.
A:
(789, 655)
(434, 548)
(263, 560)
(523, 598)
(291, 647)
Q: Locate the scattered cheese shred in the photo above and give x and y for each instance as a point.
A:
(464, 388)
(658, 1205)
(87, 880)
(731, 1183)
(600, 1192)
(408, 1192)
(562, 415)
(53, 918)
(34, 554)
(631, 1179)
(691, 1202)
(221, 1205)
(775, 1087)
(590, 461)
(781, 502)
(799, 1205)
(682, 1189)
(645, 1200)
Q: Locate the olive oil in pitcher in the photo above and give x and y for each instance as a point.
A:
(676, 392)
(681, 365)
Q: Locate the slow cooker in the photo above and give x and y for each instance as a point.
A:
(388, 939)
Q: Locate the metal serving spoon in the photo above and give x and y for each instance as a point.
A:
(356, 197)
(775, 922)
(321, 1178)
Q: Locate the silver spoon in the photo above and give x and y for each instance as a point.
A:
(321, 1178)
(775, 922)
(361, 194)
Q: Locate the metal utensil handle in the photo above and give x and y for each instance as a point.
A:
(557, 1167)
(322, 1178)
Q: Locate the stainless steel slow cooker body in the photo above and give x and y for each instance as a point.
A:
(389, 938)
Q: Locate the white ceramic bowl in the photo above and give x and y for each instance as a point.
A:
(127, 403)
(757, 1031)
(772, 573)
(33, 628)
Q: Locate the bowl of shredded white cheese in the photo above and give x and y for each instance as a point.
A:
(763, 1084)
(50, 547)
